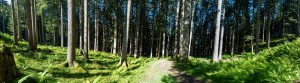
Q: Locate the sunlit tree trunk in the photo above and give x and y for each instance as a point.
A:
(13, 22)
(184, 31)
(61, 24)
(192, 27)
(232, 41)
(96, 29)
(176, 29)
(71, 33)
(222, 31)
(115, 30)
(264, 26)
(29, 24)
(125, 36)
(258, 27)
(217, 33)
(81, 38)
(86, 45)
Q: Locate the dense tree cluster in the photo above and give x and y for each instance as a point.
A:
(154, 28)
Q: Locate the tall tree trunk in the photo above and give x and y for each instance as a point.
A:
(71, 33)
(43, 29)
(217, 34)
(269, 26)
(81, 38)
(222, 31)
(125, 36)
(176, 29)
(115, 30)
(29, 24)
(54, 35)
(86, 30)
(137, 35)
(192, 27)
(264, 26)
(103, 37)
(258, 27)
(18, 20)
(61, 24)
(3, 26)
(163, 44)
(34, 25)
(153, 29)
(184, 33)
(298, 18)
(96, 29)
(13, 22)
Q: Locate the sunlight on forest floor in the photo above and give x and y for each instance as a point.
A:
(47, 64)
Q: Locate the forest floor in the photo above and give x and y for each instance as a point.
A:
(163, 71)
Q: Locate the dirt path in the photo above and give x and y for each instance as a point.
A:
(162, 68)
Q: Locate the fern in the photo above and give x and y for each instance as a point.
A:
(23, 79)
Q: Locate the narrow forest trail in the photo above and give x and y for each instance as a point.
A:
(162, 68)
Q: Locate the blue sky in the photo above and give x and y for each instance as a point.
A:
(8, 1)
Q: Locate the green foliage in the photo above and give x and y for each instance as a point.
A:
(249, 38)
(48, 64)
(279, 64)
(168, 79)
(289, 37)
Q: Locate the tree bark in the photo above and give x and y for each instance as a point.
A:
(43, 29)
(115, 30)
(29, 24)
(61, 24)
(298, 18)
(137, 35)
(8, 69)
(81, 38)
(222, 31)
(18, 21)
(269, 26)
(258, 27)
(3, 26)
(13, 22)
(192, 27)
(34, 25)
(125, 36)
(184, 33)
(71, 33)
(217, 34)
(96, 29)
(176, 29)
(86, 30)
(232, 42)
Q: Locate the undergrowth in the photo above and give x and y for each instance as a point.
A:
(279, 64)
(47, 65)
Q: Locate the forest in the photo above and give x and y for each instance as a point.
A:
(150, 41)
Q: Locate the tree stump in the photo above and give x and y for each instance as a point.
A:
(8, 69)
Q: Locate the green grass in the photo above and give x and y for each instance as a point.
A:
(279, 64)
(47, 65)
